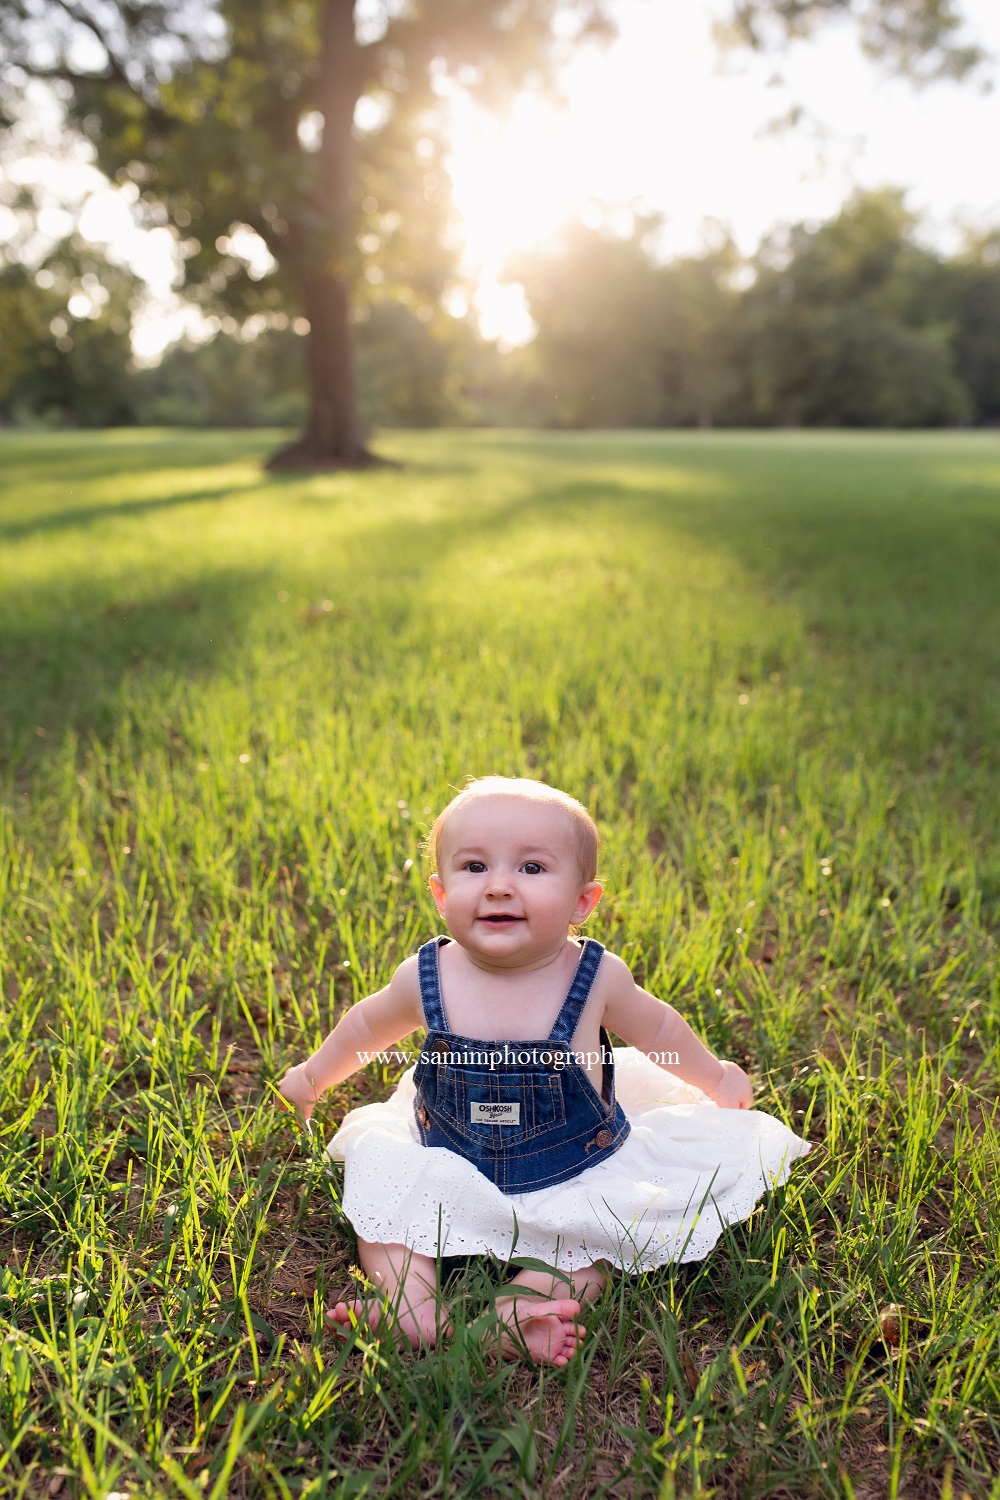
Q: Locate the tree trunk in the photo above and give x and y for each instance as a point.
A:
(334, 437)
(321, 242)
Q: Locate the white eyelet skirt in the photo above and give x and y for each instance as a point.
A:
(686, 1170)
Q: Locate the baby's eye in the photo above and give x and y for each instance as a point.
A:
(532, 867)
(475, 866)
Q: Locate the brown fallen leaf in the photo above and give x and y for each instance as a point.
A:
(690, 1371)
(888, 1322)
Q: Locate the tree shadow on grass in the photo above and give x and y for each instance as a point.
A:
(64, 659)
(886, 547)
(69, 644)
(48, 486)
(90, 515)
(68, 456)
(888, 557)
(891, 542)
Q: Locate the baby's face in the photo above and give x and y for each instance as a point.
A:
(509, 883)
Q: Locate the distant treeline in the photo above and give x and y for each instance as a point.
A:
(850, 324)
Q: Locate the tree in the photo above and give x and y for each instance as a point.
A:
(851, 325)
(240, 120)
(919, 39)
(64, 339)
(622, 341)
(977, 337)
(594, 300)
(244, 116)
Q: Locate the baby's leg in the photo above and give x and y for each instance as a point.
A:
(408, 1282)
(541, 1311)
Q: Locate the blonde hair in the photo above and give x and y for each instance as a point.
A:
(584, 828)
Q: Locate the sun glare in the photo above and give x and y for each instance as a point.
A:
(660, 121)
(514, 185)
(655, 122)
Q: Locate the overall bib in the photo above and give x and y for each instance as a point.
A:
(523, 1113)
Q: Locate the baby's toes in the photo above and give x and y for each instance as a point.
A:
(549, 1340)
(573, 1336)
(544, 1332)
(339, 1316)
(343, 1316)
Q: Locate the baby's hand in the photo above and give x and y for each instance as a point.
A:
(299, 1091)
(734, 1090)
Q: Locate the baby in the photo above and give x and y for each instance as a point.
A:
(520, 1126)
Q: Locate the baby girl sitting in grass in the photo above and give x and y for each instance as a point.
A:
(519, 1124)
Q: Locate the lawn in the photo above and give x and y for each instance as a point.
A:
(230, 705)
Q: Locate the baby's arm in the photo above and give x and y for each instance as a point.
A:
(369, 1026)
(660, 1031)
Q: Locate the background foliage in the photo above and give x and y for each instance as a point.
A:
(851, 323)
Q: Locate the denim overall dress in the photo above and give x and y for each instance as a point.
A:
(524, 1113)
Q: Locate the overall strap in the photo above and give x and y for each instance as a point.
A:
(579, 992)
(430, 985)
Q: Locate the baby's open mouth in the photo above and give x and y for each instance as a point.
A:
(501, 917)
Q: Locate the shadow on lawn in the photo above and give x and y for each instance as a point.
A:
(886, 547)
(66, 647)
(888, 551)
(67, 456)
(63, 659)
(89, 515)
(890, 562)
(59, 464)
(67, 650)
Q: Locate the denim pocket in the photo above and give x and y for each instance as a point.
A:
(474, 1102)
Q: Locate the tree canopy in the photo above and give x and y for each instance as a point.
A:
(851, 323)
(64, 339)
(920, 39)
(239, 125)
(242, 117)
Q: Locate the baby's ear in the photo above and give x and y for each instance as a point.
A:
(437, 891)
(586, 901)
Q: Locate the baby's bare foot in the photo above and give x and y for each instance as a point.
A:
(419, 1324)
(541, 1331)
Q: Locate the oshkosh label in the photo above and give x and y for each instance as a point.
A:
(495, 1114)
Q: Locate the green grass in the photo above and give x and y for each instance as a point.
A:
(769, 665)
